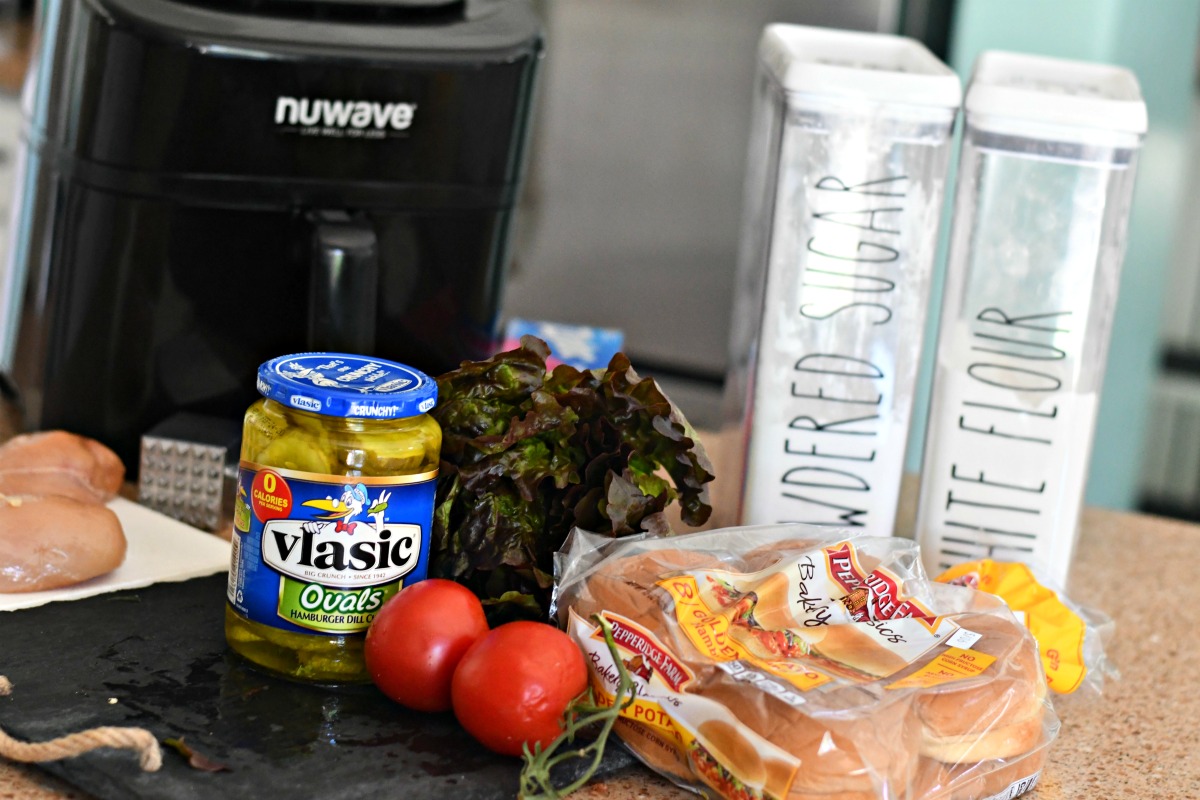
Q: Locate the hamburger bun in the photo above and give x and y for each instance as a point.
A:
(737, 759)
(773, 610)
(854, 739)
(779, 774)
(864, 742)
(852, 644)
(768, 555)
(731, 748)
(627, 586)
(998, 714)
(969, 781)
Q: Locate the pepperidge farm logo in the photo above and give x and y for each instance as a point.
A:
(359, 119)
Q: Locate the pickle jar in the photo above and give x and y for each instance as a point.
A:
(333, 512)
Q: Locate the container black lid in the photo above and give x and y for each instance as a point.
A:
(478, 26)
(395, 12)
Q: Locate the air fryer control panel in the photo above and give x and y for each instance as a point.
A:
(207, 95)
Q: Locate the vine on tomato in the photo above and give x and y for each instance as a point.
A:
(514, 684)
(417, 640)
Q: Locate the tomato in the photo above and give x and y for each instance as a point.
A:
(418, 638)
(514, 684)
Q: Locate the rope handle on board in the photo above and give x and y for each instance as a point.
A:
(139, 740)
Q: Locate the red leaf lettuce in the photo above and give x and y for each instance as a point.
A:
(528, 455)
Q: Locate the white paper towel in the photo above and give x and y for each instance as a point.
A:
(161, 549)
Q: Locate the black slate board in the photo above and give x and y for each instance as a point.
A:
(161, 653)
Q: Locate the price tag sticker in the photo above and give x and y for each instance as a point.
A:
(963, 638)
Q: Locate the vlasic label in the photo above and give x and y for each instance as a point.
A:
(321, 553)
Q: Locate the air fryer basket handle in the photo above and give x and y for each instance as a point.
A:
(343, 284)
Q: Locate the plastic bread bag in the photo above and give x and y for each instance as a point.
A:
(798, 663)
(1071, 637)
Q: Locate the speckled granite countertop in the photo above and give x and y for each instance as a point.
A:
(1141, 740)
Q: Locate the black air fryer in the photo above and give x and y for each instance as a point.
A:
(207, 184)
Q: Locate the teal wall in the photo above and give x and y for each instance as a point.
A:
(1158, 41)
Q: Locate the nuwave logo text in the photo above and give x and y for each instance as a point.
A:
(306, 112)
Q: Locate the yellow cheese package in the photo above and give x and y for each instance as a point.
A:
(801, 663)
(1070, 637)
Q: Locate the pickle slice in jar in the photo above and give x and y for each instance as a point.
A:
(297, 449)
(403, 454)
(263, 425)
(304, 656)
(395, 460)
(329, 664)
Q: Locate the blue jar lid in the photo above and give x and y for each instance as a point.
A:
(342, 385)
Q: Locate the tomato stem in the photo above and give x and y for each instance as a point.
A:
(582, 713)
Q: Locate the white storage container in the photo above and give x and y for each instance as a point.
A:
(849, 150)
(1044, 185)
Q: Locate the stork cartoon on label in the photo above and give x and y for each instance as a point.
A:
(342, 510)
